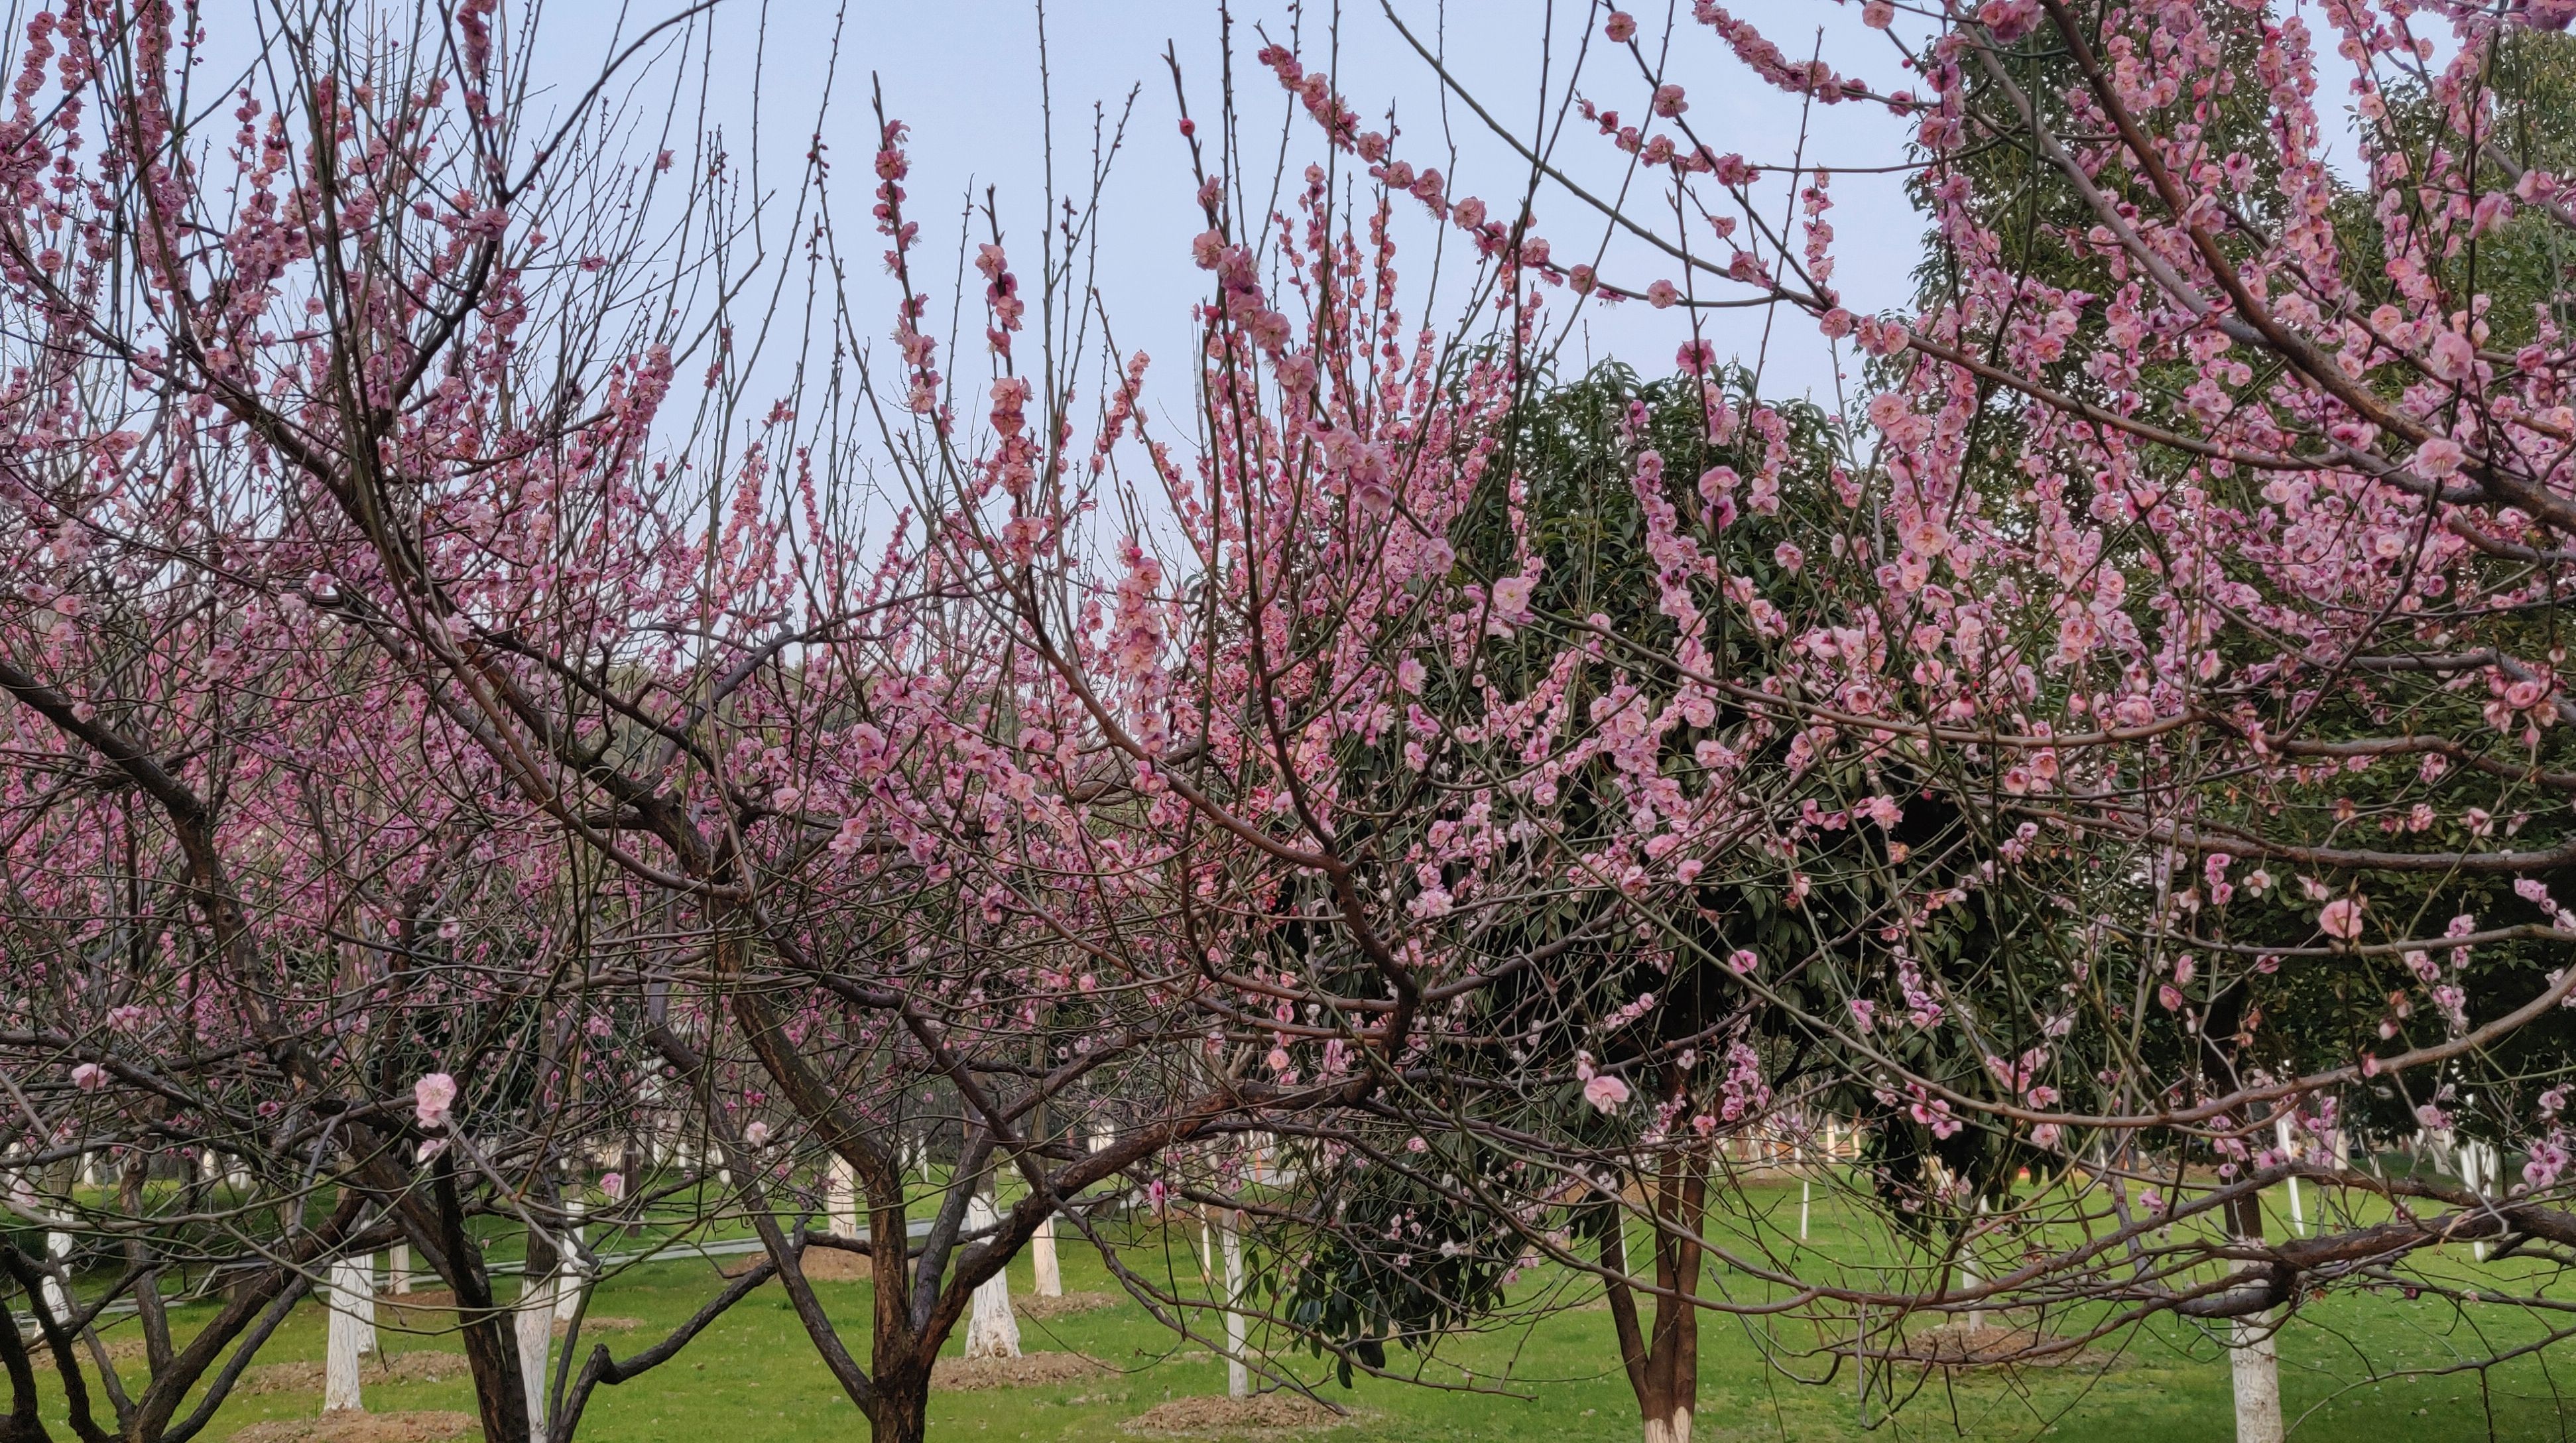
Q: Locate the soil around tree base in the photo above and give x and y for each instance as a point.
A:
(971, 1375)
(420, 1365)
(358, 1427)
(822, 1265)
(1265, 1415)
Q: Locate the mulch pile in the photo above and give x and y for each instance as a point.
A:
(1265, 1415)
(971, 1375)
(354, 1427)
(1042, 1309)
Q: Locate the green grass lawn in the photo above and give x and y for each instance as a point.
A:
(2356, 1367)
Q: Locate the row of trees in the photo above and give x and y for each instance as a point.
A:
(488, 757)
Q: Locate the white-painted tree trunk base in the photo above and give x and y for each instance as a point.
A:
(573, 1283)
(841, 1198)
(992, 1330)
(398, 1275)
(1674, 1427)
(58, 1246)
(2253, 1347)
(535, 1321)
(348, 1334)
(362, 1293)
(1042, 1260)
(569, 1291)
(1229, 1239)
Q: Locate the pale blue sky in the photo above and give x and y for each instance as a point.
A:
(965, 73)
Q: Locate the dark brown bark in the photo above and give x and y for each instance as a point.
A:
(24, 1423)
(902, 1410)
(491, 1345)
(1662, 1358)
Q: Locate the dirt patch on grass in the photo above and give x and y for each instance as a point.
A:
(969, 1375)
(1039, 1309)
(1955, 1345)
(435, 1310)
(822, 1265)
(599, 1325)
(1268, 1415)
(420, 1365)
(352, 1427)
(837, 1265)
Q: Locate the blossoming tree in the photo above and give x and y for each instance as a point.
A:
(2194, 588)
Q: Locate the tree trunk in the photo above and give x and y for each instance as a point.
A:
(345, 1338)
(535, 1324)
(2253, 1344)
(1670, 1423)
(1050, 1277)
(25, 1420)
(58, 1304)
(131, 1181)
(572, 1278)
(1663, 1365)
(991, 1330)
(902, 1410)
(1229, 1242)
(398, 1273)
(841, 1202)
(362, 1298)
(841, 1198)
(2253, 1348)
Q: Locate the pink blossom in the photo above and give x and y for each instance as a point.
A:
(2438, 457)
(89, 1077)
(2010, 20)
(1605, 1092)
(2451, 357)
(431, 1097)
(2547, 1162)
(2341, 918)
